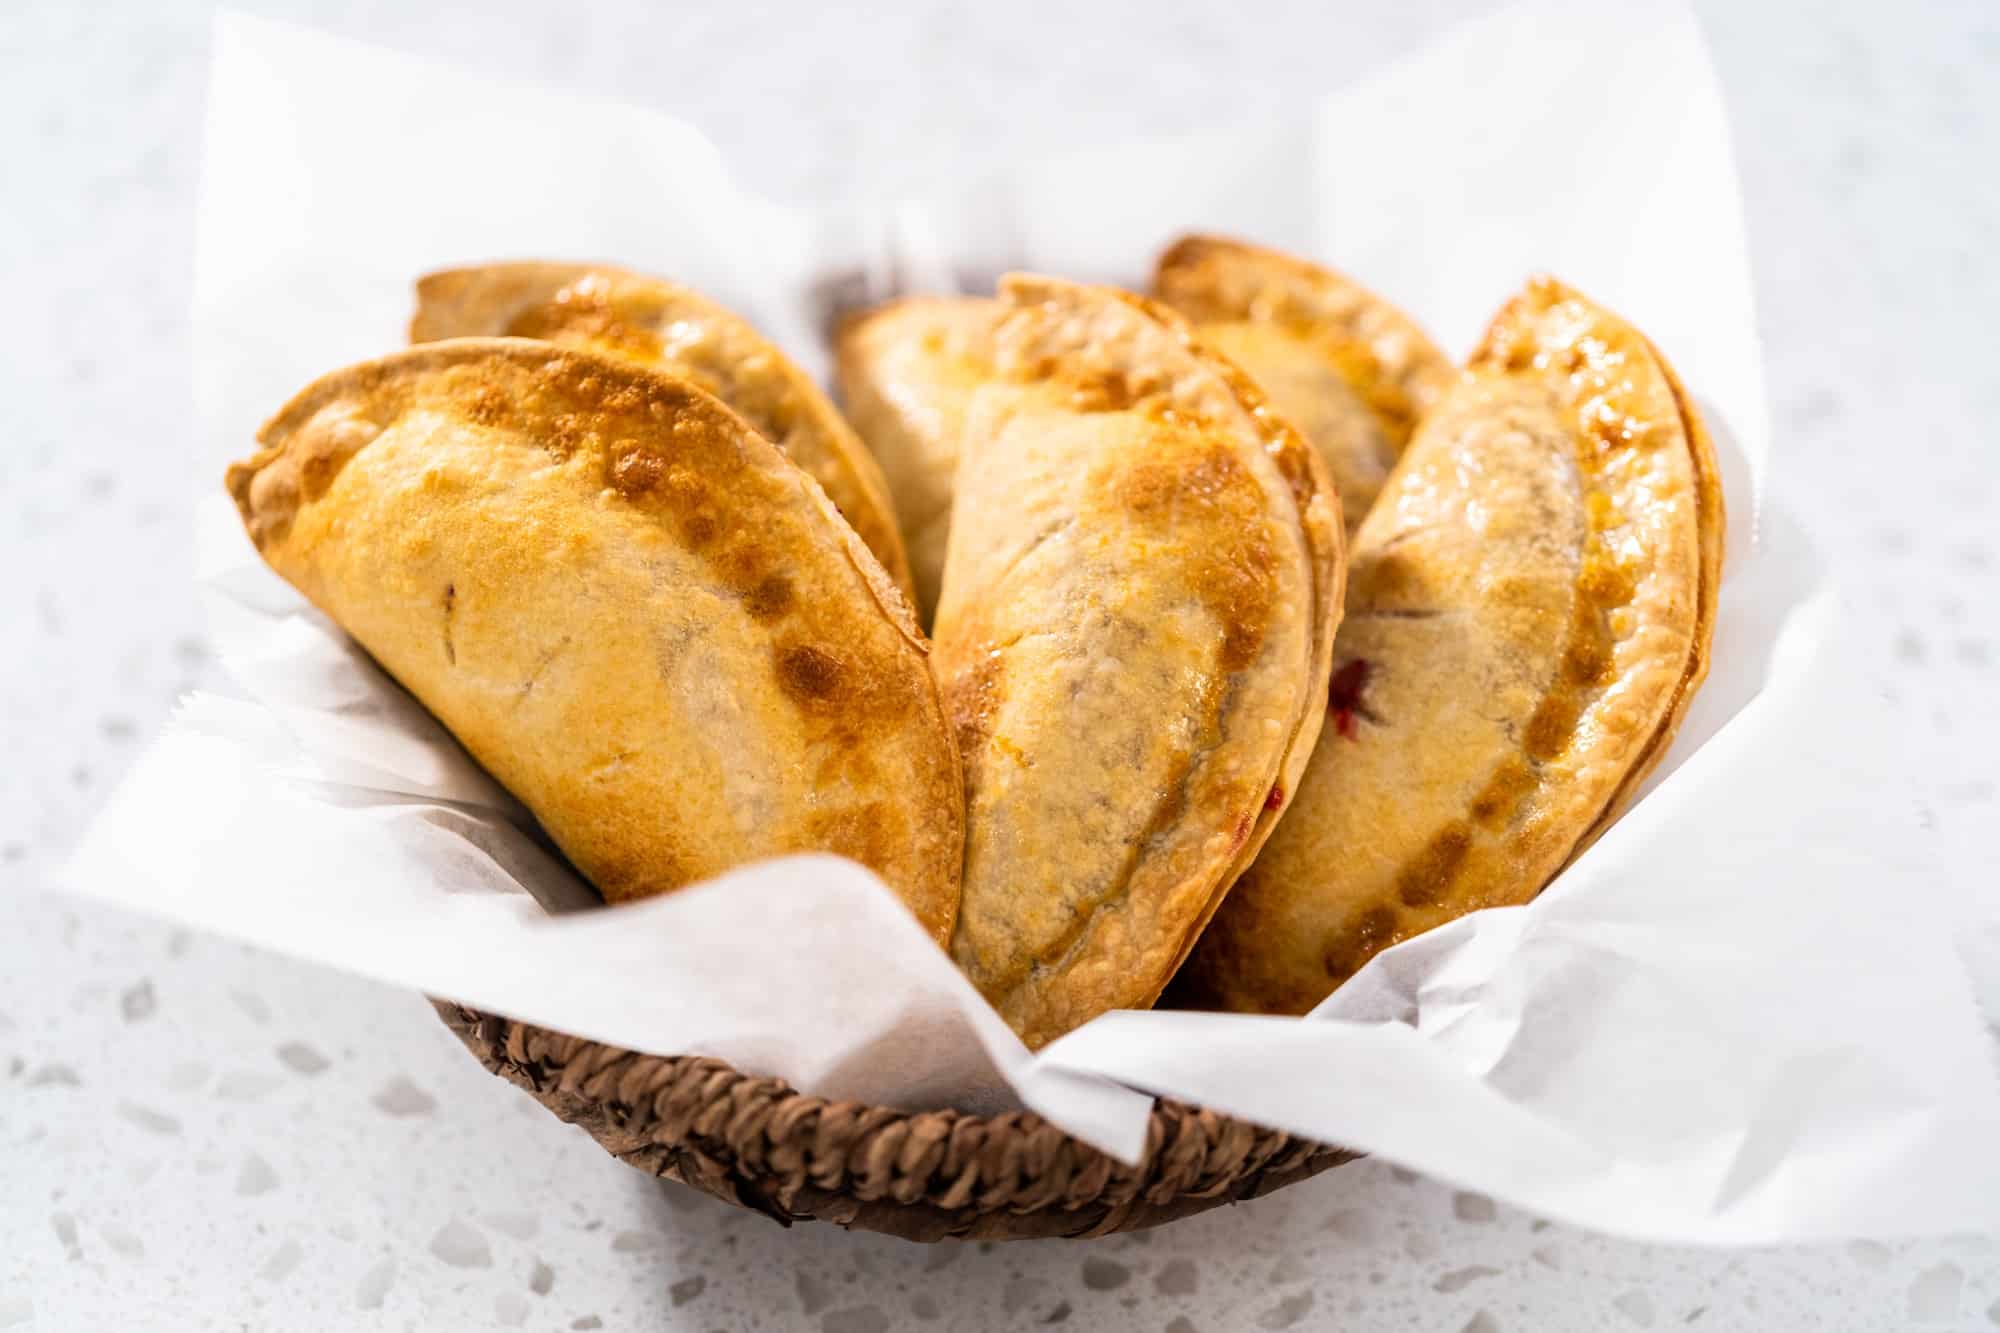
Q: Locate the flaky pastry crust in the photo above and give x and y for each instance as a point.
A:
(906, 373)
(635, 612)
(1143, 576)
(1530, 610)
(1352, 372)
(674, 328)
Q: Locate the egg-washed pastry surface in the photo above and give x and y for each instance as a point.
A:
(635, 612)
(1352, 372)
(1529, 612)
(665, 325)
(906, 373)
(1133, 638)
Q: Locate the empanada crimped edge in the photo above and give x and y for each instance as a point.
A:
(1066, 354)
(552, 554)
(673, 327)
(1359, 868)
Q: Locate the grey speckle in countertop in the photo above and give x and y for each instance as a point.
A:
(204, 1136)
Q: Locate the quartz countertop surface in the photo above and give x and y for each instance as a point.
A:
(201, 1136)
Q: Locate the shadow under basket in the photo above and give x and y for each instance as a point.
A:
(928, 1175)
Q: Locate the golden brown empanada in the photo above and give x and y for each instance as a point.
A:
(906, 373)
(1133, 638)
(626, 603)
(1528, 614)
(1352, 372)
(662, 324)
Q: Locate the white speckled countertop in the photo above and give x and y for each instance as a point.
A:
(199, 1136)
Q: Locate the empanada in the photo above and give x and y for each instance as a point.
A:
(1529, 612)
(1133, 638)
(665, 325)
(632, 609)
(906, 373)
(1352, 372)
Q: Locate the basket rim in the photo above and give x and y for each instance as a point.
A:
(757, 1142)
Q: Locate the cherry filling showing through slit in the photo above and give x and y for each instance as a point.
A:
(1344, 695)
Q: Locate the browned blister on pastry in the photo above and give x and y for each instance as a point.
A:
(629, 607)
(906, 373)
(1352, 372)
(674, 328)
(1529, 612)
(1142, 581)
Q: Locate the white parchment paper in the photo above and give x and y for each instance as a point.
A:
(1739, 1018)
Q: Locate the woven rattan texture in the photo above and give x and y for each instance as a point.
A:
(928, 1175)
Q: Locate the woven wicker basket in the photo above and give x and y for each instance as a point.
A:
(756, 1143)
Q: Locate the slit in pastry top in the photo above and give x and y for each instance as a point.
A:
(1133, 637)
(626, 604)
(667, 326)
(1530, 610)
